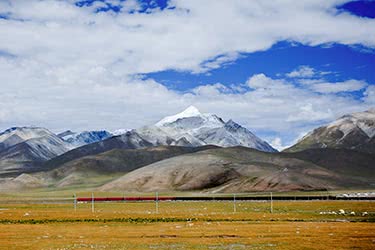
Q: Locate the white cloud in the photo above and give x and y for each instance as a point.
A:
(277, 143)
(302, 72)
(309, 77)
(58, 32)
(68, 67)
(308, 113)
(305, 73)
(337, 87)
(309, 81)
(262, 82)
(369, 95)
(216, 62)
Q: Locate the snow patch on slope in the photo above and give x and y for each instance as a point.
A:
(120, 131)
(47, 147)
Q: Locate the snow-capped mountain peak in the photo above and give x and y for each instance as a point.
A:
(193, 128)
(189, 112)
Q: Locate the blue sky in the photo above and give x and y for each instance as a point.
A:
(343, 62)
(339, 62)
(279, 68)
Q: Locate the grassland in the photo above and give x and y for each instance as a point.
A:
(188, 225)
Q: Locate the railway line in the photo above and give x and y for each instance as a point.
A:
(217, 198)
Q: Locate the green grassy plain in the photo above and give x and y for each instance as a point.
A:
(187, 225)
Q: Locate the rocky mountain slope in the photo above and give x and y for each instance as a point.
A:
(129, 140)
(241, 169)
(115, 161)
(354, 131)
(25, 148)
(341, 161)
(208, 169)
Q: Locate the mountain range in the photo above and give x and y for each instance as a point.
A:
(189, 128)
(190, 151)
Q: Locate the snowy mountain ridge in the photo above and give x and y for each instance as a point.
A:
(16, 135)
(85, 137)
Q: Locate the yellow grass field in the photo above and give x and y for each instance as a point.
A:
(189, 225)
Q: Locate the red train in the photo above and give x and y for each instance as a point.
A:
(89, 199)
(220, 198)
